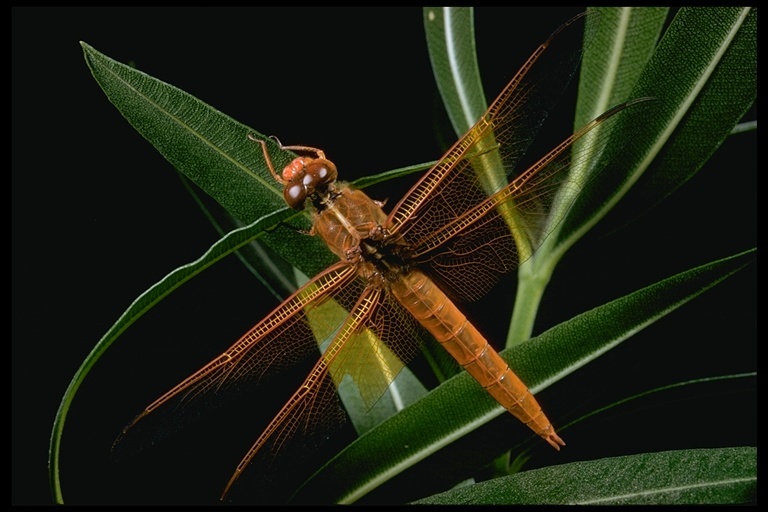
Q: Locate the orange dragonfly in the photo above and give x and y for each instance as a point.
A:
(399, 273)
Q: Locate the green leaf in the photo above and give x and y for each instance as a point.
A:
(228, 244)
(460, 406)
(624, 40)
(662, 389)
(697, 102)
(700, 102)
(684, 477)
(699, 98)
(403, 391)
(451, 45)
(212, 150)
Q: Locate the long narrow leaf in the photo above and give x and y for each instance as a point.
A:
(211, 149)
(451, 46)
(459, 406)
(141, 305)
(624, 41)
(206, 145)
(684, 477)
(700, 104)
(703, 76)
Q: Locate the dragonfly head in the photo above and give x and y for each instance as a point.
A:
(304, 176)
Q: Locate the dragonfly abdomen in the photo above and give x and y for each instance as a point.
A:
(440, 316)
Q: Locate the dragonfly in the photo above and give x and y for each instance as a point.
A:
(402, 274)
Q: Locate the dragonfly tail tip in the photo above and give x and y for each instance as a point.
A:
(555, 441)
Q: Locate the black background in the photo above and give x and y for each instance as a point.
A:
(98, 216)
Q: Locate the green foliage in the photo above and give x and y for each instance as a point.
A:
(704, 477)
(465, 407)
(631, 55)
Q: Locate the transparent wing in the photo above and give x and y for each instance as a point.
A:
(313, 410)
(484, 244)
(284, 338)
(371, 347)
(447, 218)
(500, 138)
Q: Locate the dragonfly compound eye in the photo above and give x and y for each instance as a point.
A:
(294, 195)
(319, 172)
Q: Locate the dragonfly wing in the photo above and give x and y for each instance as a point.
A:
(312, 413)
(484, 244)
(291, 447)
(284, 338)
(388, 340)
(371, 347)
(447, 218)
(500, 138)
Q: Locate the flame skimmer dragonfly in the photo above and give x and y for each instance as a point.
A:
(451, 236)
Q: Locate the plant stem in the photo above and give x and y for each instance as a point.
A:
(532, 280)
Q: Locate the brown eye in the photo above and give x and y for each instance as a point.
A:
(326, 173)
(310, 180)
(294, 195)
(319, 172)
